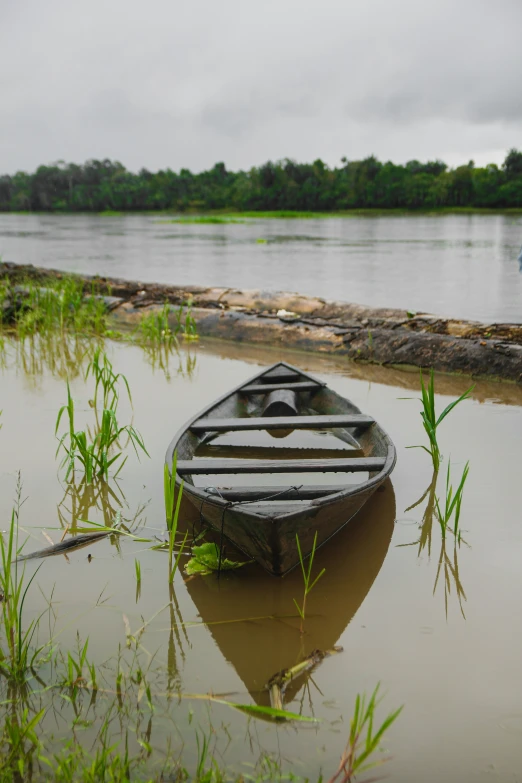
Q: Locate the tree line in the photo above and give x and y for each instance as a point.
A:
(99, 186)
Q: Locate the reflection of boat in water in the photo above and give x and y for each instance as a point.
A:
(258, 648)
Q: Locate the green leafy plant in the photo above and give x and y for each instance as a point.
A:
(155, 328)
(190, 331)
(17, 654)
(356, 756)
(61, 305)
(106, 381)
(307, 577)
(431, 421)
(452, 503)
(206, 560)
(95, 454)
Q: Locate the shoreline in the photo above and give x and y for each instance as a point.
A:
(382, 336)
(283, 214)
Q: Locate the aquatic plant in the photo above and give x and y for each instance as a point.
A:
(359, 748)
(17, 654)
(154, 327)
(106, 380)
(452, 503)
(206, 559)
(172, 507)
(307, 577)
(190, 331)
(60, 305)
(431, 421)
(95, 455)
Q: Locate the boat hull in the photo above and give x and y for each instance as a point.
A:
(271, 540)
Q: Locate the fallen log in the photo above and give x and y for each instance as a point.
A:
(377, 335)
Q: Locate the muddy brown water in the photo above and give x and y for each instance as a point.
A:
(450, 652)
(460, 266)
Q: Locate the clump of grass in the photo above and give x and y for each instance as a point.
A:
(359, 748)
(155, 328)
(431, 421)
(106, 381)
(17, 655)
(452, 503)
(62, 305)
(190, 331)
(307, 578)
(94, 454)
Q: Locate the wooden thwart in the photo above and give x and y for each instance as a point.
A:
(281, 423)
(280, 494)
(299, 386)
(204, 466)
(280, 374)
(231, 451)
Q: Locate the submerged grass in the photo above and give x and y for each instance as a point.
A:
(307, 577)
(452, 503)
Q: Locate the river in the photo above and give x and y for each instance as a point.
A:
(455, 265)
(435, 622)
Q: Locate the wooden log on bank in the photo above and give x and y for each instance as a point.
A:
(378, 335)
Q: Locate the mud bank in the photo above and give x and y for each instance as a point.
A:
(377, 335)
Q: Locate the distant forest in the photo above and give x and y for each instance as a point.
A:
(99, 186)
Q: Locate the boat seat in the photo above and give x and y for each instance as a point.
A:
(298, 386)
(196, 467)
(208, 424)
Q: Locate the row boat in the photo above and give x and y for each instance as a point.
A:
(317, 433)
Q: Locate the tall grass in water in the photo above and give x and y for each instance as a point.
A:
(17, 655)
(97, 453)
(431, 421)
(106, 381)
(155, 329)
(172, 508)
(359, 748)
(162, 327)
(307, 578)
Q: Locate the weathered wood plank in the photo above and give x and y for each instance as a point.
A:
(282, 423)
(310, 492)
(205, 466)
(298, 386)
(230, 451)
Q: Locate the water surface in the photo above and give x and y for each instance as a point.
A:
(447, 649)
(455, 265)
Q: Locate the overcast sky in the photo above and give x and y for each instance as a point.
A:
(164, 83)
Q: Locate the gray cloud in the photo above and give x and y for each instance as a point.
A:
(170, 83)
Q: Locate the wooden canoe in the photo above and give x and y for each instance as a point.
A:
(262, 518)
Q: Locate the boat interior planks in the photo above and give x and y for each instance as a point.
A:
(321, 433)
(208, 424)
